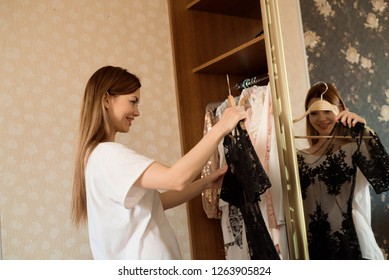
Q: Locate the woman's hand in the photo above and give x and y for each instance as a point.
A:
(230, 118)
(349, 119)
(215, 179)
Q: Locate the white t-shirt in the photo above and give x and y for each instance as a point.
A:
(125, 221)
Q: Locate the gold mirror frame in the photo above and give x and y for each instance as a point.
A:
(294, 213)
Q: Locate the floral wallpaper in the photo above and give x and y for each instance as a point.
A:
(347, 44)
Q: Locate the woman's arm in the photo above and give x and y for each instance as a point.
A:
(171, 199)
(186, 169)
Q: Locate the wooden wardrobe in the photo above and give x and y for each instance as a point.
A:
(211, 38)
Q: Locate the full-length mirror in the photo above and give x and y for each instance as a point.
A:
(346, 44)
(349, 52)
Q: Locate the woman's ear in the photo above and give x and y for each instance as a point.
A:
(106, 100)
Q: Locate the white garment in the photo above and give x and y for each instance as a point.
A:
(362, 219)
(125, 221)
(234, 234)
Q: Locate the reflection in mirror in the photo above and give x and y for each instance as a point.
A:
(346, 45)
(335, 171)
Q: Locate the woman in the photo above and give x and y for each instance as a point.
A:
(343, 153)
(115, 188)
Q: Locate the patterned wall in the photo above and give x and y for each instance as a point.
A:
(347, 44)
(49, 49)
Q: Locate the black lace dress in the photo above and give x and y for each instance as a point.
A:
(328, 184)
(243, 183)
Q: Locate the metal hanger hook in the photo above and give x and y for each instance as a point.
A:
(325, 84)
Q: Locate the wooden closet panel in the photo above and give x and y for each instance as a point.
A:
(194, 92)
(198, 37)
(241, 8)
(216, 34)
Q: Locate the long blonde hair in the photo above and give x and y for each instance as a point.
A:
(95, 126)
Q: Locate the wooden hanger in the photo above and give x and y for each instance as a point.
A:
(320, 105)
(243, 100)
(330, 136)
(231, 100)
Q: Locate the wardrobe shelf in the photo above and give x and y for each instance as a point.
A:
(239, 8)
(238, 61)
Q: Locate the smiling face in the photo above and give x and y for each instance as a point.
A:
(329, 93)
(122, 111)
(322, 121)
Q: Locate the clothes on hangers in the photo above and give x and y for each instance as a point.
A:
(243, 183)
(335, 192)
(232, 223)
(260, 126)
(210, 197)
(257, 101)
(233, 229)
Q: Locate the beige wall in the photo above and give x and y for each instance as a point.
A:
(295, 62)
(49, 48)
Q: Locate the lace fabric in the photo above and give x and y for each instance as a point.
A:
(373, 160)
(244, 182)
(328, 184)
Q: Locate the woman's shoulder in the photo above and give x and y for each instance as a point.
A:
(104, 146)
(110, 152)
(107, 148)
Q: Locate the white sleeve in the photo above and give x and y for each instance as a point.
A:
(362, 219)
(120, 167)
